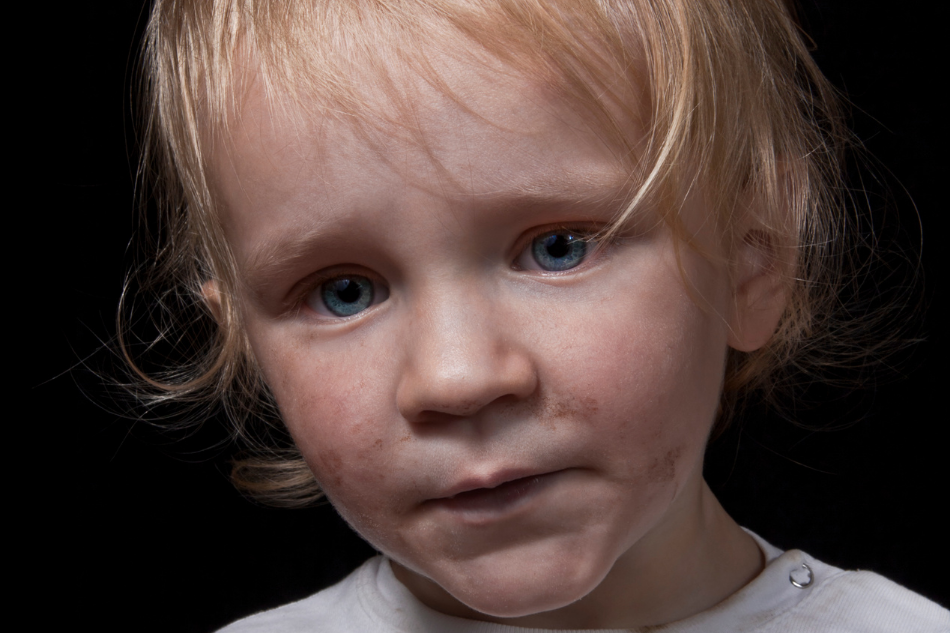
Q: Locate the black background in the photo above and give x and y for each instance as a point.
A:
(125, 528)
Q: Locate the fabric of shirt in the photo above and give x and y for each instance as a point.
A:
(794, 594)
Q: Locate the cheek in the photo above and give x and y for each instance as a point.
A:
(645, 367)
(335, 408)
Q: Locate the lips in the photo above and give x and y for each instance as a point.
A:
(476, 498)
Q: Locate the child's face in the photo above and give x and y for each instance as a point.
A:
(511, 431)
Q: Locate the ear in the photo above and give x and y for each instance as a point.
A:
(758, 292)
(212, 296)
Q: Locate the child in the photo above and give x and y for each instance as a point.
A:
(502, 282)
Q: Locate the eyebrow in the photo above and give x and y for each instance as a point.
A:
(272, 258)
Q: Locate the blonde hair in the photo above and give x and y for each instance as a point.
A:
(727, 88)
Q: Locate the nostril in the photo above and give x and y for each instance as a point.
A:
(432, 417)
(449, 413)
(452, 410)
(446, 412)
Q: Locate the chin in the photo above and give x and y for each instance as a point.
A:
(517, 603)
(514, 589)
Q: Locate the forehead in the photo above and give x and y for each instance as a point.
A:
(477, 132)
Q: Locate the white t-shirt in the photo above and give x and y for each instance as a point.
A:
(825, 600)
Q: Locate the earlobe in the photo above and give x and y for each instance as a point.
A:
(212, 296)
(759, 293)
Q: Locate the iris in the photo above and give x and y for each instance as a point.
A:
(559, 250)
(346, 296)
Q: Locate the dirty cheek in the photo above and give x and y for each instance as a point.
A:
(663, 468)
(343, 447)
(327, 415)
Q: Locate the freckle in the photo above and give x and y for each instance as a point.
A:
(550, 408)
(405, 439)
(590, 404)
(378, 443)
(331, 463)
(562, 409)
(558, 410)
(332, 460)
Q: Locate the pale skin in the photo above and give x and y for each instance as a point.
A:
(588, 393)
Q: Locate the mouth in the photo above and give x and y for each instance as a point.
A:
(483, 501)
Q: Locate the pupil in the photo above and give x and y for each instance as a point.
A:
(347, 290)
(558, 245)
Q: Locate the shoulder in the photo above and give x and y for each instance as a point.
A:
(796, 593)
(337, 608)
(862, 601)
(808, 596)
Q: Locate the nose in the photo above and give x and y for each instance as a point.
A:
(464, 353)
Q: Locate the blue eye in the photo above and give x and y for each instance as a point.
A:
(559, 250)
(346, 296)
